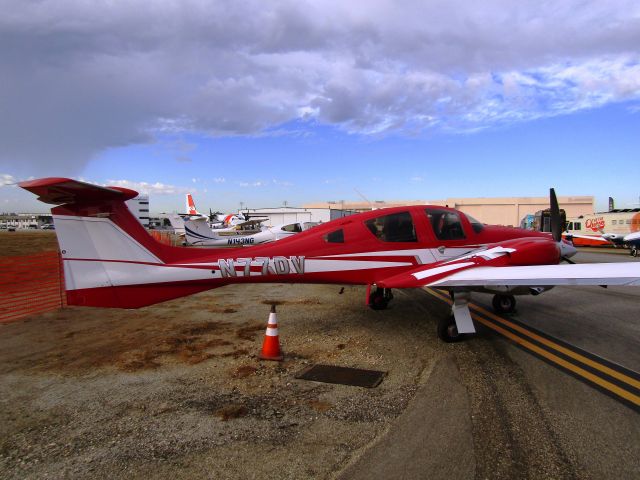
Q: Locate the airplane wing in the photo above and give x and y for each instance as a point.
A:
(472, 274)
(249, 223)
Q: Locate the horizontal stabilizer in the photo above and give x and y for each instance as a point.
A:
(60, 191)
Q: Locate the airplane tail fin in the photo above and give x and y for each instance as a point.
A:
(109, 258)
(191, 205)
(197, 232)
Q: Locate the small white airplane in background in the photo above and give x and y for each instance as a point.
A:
(630, 240)
(176, 221)
(251, 232)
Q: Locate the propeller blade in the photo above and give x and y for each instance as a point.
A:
(556, 221)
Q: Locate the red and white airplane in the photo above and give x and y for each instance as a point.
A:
(111, 261)
(218, 220)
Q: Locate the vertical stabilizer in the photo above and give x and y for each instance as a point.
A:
(191, 206)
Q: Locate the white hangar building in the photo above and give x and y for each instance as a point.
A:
(286, 215)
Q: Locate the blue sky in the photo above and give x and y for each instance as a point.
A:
(308, 101)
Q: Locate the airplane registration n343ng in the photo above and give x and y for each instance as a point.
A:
(111, 261)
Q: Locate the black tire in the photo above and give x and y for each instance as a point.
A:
(448, 331)
(504, 303)
(634, 252)
(377, 300)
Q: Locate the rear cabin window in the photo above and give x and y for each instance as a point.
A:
(446, 224)
(397, 227)
(335, 237)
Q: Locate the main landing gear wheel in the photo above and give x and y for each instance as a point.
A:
(504, 303)
(379, 299)
(448, 331)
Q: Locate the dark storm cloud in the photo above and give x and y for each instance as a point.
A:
(80, 77)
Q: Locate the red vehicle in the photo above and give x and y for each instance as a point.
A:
(111, 261)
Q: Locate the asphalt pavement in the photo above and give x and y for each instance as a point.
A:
(491, 409)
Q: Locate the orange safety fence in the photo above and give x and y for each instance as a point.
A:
(163, 237)
(30, 284)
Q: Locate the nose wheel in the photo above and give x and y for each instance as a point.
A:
(504, 303)
(448, 331)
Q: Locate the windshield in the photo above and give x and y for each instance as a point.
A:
(475, 224)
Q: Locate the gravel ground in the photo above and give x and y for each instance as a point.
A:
(176, 389)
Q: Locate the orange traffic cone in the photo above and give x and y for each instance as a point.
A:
(271, 344)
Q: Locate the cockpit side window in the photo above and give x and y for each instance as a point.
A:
(475, 224)
(446, 224)
(336, 236)
(397, 227)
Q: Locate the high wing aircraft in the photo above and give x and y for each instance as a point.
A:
(632, 240)
(111, 261)
(217, 220)
(251, 232)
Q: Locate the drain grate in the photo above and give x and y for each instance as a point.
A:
(342, 375)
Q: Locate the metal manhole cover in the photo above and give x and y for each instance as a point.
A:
(342, 375)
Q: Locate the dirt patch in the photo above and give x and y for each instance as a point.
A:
(299, 301)
(248, 332)
(202, 328)
(144, 341)
(320, 406)
(222, 309)
(244, 371)
(231, 411)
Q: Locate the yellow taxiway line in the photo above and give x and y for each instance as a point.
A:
(522, 338)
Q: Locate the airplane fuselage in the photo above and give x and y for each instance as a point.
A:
(365, 248)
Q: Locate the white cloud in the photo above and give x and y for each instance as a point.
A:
(150, 188)
(250, 68)
(264, 183)
(417, 179)
(282, 183)
(255, 184)
(634, 108)
(7, 180)
(219, 180)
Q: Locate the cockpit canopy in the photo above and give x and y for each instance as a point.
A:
(395, 227)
